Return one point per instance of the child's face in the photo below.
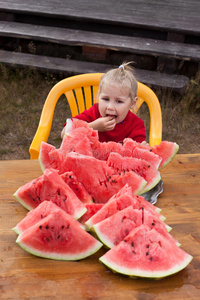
(114, 101)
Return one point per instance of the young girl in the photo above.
(111, 116)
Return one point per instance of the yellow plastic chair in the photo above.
(81, 93)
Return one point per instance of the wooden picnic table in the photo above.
(24, 276)
(179, 15)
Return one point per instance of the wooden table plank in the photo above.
(24, 276)
(180, 15)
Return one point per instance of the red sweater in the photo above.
(132, 126)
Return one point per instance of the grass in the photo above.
(23, 92)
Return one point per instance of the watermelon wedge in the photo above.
(50, 186)
(140, 153)
(165, 150)
(58, 236)
(51, 158)
(35, 215)
(77, 187)
(100, 180)
(92, 209)
(79, 137)
(138, 166)
(146, 253)
(115, 228)
(118, 203)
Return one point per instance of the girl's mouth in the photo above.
(113, 116)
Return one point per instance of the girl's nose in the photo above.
(110, 106)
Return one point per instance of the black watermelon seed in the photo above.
(151, 258)
(153, 223)
(132, 244)
(147, 253)
(40, 227)
(47, 227)
(133, 252)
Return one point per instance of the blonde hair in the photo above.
(124, 75)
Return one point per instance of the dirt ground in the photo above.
(23, 92)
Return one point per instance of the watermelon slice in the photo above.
(51, 158)
(146, 253)
(165, 150)
(35, 215)
(140, 153)
(119, 202)
(50, 186)
(77, 187)
(103, 150)
(79, 137)
(58, 236)
(139, 166)
(101, 181)
(115, 228)
(80, 144)
(92, 209)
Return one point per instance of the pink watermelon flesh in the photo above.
(101, 181)
(51, 187)
(35, 215)
(78, 142)
(51, 158)
(92, 209)
(79, 137)
(118, 203)
(146, 253)
(166, 150)
(113, 229)
(139, 166)
(103, 150)
(77, 187)
(58, 236)
(144, 154)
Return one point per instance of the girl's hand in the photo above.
(103, 124)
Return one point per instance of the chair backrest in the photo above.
(81, 93)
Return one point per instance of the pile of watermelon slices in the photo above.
(89, 196)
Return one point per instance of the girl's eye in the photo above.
(105, 98)
(119, 101)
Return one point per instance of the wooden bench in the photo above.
(55, 64)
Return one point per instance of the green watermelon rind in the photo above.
(16, 230)
(116, 268)
(41, 164)
(176, 148)
(98, 234)
(21, 201)
(56, 256)
(152, 185)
